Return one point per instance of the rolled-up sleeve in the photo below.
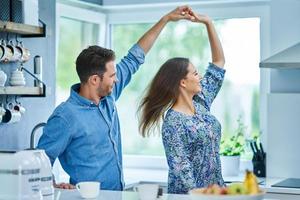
(211, 84)
(55, 138)
(127, 67)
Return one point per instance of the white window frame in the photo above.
(151, 13)
(81, 14)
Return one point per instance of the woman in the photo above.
(191, 134)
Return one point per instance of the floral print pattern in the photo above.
(192, 142)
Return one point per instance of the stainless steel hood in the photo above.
(288, 58)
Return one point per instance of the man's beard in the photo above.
(101, 93)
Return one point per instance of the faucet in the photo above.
(39, 125)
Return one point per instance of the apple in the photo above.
(237, 189)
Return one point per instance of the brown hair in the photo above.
(161, 94)
(92, 60)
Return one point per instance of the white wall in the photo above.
(283, 133)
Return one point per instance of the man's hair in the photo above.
(91, 61)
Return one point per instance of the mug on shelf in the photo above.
(11, 115)
(1, 52)
(3, 78)
(24, 52)
(6, 52)
(16, 52)
(2, 112)
(18, 107)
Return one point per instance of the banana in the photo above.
(251, 183)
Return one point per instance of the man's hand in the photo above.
(181, 12)
(64, 186)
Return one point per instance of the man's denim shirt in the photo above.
(86, 137)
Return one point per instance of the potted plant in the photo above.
(231, 149)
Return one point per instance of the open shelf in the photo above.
(23, 29)
(23, 91)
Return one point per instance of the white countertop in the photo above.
(115, 195)
(135, 175)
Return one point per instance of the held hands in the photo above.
(181, 12)
(185, 12)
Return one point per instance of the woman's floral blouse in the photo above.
(192, 142)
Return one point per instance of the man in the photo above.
(84, 131)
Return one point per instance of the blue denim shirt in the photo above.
(86, 137)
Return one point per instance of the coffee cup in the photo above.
(89, 189)
(25, 53)
(2, 112)
(1, 52)
(18, 107)
(147, 191)
(3, 78)
(16, 52)
(11, 116)
(6, 52)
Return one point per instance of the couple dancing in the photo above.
(84, 131)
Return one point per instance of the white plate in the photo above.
(198, 196)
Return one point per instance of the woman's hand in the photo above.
(196, 17)
(181, 12)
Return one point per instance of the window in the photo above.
(74, 35)
(239, 95)
(77, 29)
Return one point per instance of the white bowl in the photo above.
(17, 83)
(17, 73)
(198, 196)
(16, 79)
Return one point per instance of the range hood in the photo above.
(288, 58)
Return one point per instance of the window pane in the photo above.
(74, 35)
(238, 96)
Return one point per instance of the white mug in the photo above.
(19, 108)
(6, 52)
(2, 112)
(147, 191)
(25, 53)
(88, 190)
(3, 78)
(11, 116)
(1, 52)
(16, 52)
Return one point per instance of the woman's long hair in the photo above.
(161, 94)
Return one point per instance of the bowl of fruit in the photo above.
(247, 190)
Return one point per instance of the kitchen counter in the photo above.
(134, 175)
(270, 181)
(115, 195)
